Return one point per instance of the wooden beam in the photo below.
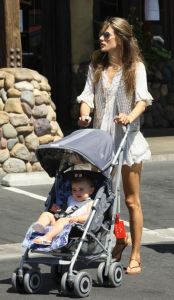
(10, 38)
(56, 54)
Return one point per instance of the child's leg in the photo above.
(46, 218)
(57, 228)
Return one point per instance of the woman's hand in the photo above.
(125, 119)
(84, 121)
(122, 119)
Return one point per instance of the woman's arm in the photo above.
(84, 119)
(125, 119)
(86, 100)
(142, 97)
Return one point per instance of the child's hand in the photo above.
(54, 208)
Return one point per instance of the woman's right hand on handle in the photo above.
(84, 121)
(122, 119)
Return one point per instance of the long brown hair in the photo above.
(130, 53)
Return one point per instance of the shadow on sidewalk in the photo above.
(157, 132)
(162, 248)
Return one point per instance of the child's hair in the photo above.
(82, 178)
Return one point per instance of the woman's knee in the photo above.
(131, 185)
(133, 202)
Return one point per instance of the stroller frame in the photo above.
(72, 282)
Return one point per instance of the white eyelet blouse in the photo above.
(108, 100)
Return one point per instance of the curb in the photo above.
(42, 178)
(26, 179)
(161, 157)
(15, 251)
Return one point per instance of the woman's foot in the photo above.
(120, 245)
(134, 267)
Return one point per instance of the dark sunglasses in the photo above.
(106, 35)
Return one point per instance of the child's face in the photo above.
(75, 159)
(81, 190)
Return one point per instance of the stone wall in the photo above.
(161, 86)
(27, 119)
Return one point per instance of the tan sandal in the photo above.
(134, 269)
(119, 248)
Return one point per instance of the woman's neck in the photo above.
(114, 61)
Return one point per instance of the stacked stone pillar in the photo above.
(27, 119)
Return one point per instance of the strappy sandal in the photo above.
(135, 269)
(41, 241)
(119, 248)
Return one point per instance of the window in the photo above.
(30, 26)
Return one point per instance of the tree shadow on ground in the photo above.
(161, 248)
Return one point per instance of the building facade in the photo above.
(57, 38)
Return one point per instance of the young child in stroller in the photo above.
(78, 210)
(81, 187)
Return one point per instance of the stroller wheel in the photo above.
(82, 284)
(66, 287)
(101, 278)
(32, 281)
(17, 281)
(115, 274)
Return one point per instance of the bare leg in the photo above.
(119, 247)
(57, 228)
(46, 218)
(131, 185)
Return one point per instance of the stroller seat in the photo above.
(58, 195)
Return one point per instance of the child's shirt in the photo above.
(82, 206)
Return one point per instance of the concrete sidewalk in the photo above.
(162, 149)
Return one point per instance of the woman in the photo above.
(116, 92)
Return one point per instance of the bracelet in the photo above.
(87, 118)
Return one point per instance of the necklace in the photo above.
(105, 88)
(114, 66)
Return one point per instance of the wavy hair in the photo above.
(130, 53)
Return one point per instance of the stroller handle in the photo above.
(130, 127)
(126, 128)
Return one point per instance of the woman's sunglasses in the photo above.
(106, 35)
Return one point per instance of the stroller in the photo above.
(87, 242)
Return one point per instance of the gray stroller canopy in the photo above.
(94, 145)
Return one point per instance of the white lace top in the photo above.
(109, 99)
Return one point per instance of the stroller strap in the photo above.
(62, 213)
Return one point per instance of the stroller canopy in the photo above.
(94, 145)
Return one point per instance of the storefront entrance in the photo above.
(46, 46)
